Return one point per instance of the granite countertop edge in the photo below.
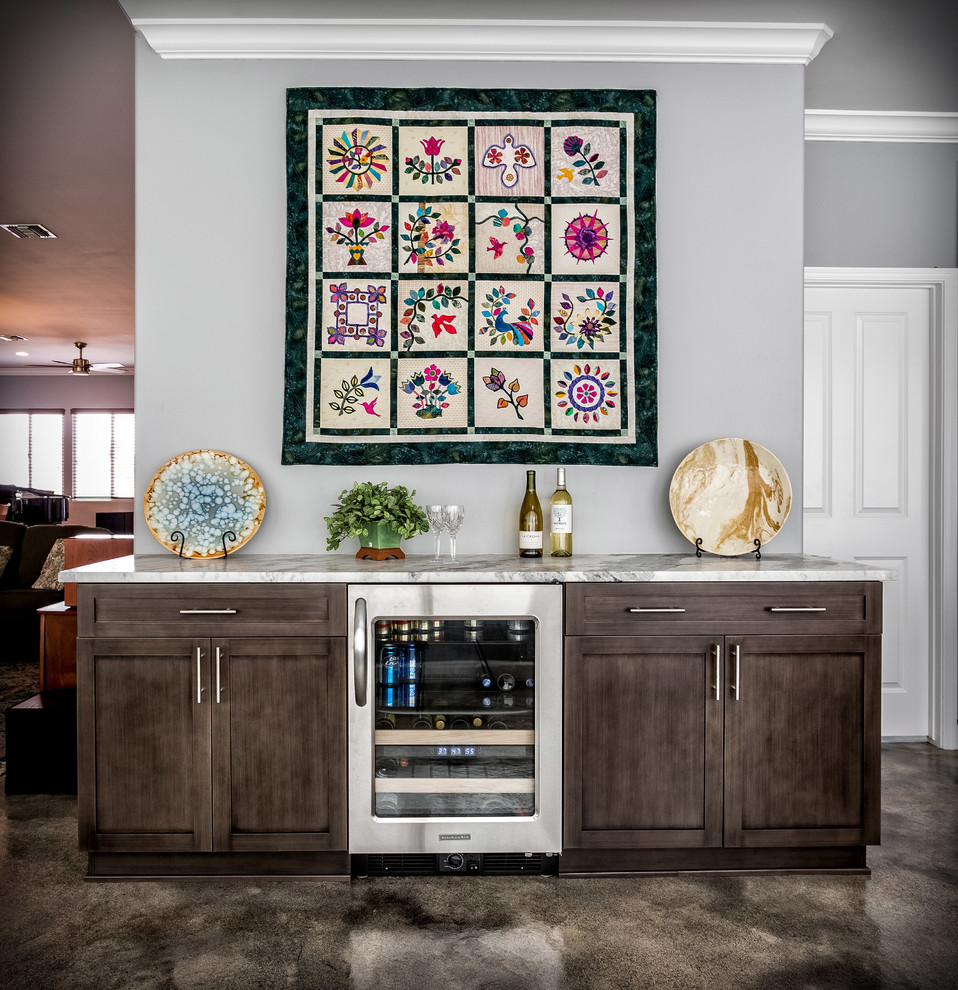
(475, 569)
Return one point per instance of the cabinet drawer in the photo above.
(623, 609)
(212, 610)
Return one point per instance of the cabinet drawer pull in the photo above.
(207, 611)
(737, 650)
(718, 672)
(219, 689)
(656, 609)
(798, 608)
(199, 676)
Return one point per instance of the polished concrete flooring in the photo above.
(897, 928)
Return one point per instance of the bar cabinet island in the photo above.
(322, 717)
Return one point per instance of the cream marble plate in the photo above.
(730, 493)
(203, 494)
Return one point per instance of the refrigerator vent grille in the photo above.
(401, 865)
(509, 864)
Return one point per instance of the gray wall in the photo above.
(210, 288)
(881, 205)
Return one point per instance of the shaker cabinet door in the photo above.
(279, 744)
(643, 742)
(143, 713)
(802, 740)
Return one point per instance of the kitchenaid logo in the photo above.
(455, 837)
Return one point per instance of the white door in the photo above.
(867, 473)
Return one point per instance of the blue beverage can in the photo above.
(391, 663)
(409, 694)
(410, 662)
(391, 696)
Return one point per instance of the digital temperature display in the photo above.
(455, 751)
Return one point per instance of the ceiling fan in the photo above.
(81, 366)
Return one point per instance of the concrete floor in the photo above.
(898, 928)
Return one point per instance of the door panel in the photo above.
(146, 783)
(801, 749)
(867, 442)
(279, 744)
(643, 742)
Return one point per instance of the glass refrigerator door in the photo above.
(455, 717)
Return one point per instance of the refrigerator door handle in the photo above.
(360, 661)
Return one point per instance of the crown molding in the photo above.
(187, 35)
(881, 125)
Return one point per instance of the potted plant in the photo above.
(380, 516)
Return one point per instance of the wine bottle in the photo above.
(560, 537)
(530, 520)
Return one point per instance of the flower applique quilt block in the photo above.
(354, 395)
(356, 157)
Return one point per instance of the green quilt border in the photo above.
(641, 103)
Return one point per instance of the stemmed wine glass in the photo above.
(437, 524)
(452, 516)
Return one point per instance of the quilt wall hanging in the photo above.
(470, 277)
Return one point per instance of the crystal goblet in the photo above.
(436, 524)
(452, 516)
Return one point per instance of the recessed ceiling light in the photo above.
(23, 353)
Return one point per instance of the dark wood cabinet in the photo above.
(697, 750)
(229, 748)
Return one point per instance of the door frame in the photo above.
(942, 286)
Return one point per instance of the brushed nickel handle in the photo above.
(798, 608)
(656, 609)
(199, 676)
(207, 611)
(737, 650)
(717, 650)
(219, 689)
(359, 652)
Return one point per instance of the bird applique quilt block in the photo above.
(470, 276)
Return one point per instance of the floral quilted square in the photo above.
(586, 395)
(433, 315)
(508, 392)
(585, 239)
(509, 316)
(510, 238)
(432, 393)
(355, 314)
(585, 160)
(585, 317)
(433, 237)
(433, 161)
(356, 157)
(356, 236)
(353, 394)
(510, 160)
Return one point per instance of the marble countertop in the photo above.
(477, 569)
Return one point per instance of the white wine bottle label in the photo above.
(530, 539)
(562, 519)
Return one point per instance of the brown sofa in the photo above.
(19, 601)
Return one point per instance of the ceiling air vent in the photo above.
(36, 230)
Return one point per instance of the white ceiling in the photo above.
(67, 129)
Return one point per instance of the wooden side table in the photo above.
(58, 647)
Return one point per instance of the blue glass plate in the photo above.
(197, 498)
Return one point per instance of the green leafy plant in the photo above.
(367, 503)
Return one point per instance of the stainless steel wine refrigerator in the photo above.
(455, 728)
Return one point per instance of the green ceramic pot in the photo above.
(382, 536)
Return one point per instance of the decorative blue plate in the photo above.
(198, 498)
